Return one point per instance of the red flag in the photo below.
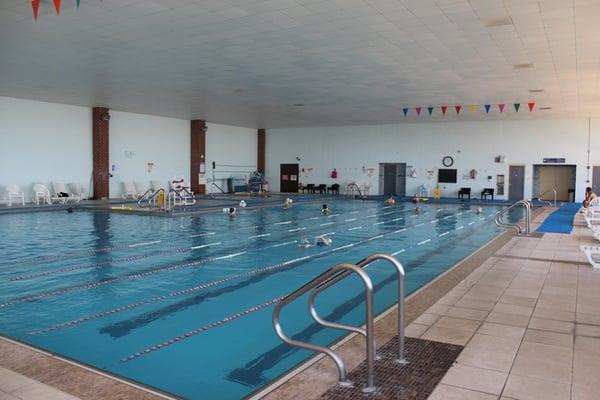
(501, 107)
(531, 105)
(418, 110)
(57, 6)
(457, 108)
(444, 108)
(35, 4)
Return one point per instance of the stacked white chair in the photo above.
(15, 194)
(41, 194)
(592, 219)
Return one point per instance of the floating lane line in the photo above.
(145, 243)
(398, 252)
(206, 245)
(379, 223)
(259, 236)
(327, 223)
(421, 224)
(444, 234)
(296, 229)
(201, 329)
(371, 216)
(423, 242)
(433, 221)
(283, 223)
(284, 243)
(355, 228)
(203, 234)
(471, 223)
(399, 230)
(333, 215)
(460, 227)
(350, 219)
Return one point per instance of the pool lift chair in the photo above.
(325, 281)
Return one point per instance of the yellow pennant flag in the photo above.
(473, 108)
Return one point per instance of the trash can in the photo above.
(571, 195)
(230, 188)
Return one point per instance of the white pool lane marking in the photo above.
(355, 228)
(206, 245)
(145, 243)
(327, 223)
(296, 229)
(423, 242)
(283, 223)
(350, 219)
(284, 243)
(259, 236)
(444, 234)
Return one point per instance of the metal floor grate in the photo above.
(429, 362)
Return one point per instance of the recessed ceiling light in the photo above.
(522, 66)
(536, 90)
(545, 108)
(499, 21)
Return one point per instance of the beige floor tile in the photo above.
(586, 369)
(547, 337)
(513, 309)
(11, 381)
(446, 392)
(587, 330)
(503, 331)
(585, 392)
(551, 325)
(517, 300)
(467, 313)
(437, 309)
(6, 396)
(458, 323)
(489, 352)
(476, 304)
(415, 330)
(426, 319)
(447, 335)
(478, 379)
(508, 319)
(589, 319)
(587, 344)
(526, 388)
(552, 313)
(39, 391)
(541, 361)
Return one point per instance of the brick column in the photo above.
(197, 156)
(260, 159)
(100, 152)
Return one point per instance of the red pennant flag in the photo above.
(531, 105)
(457, 108)
(35, 5)
(444, 108)
(501, 107)
(57, 6)
(418, 110)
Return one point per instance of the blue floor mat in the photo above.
(561, 220)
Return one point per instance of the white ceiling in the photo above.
(247, 62)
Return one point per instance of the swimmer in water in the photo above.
(287, 204)
(479, 210)
(324, 209)
(391, 200)
(418, 210)
(319, 241)
(232, 212)
(70, 210)
(415, 199)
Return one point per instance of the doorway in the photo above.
(392, 179)
(516, 182)
(289, 178)
(549, 177)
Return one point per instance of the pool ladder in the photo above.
(325, 281)
(351, 190)
(526, 231)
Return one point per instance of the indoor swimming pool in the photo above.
(184, 304)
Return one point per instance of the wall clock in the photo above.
(448, 161)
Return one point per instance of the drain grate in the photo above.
(428, 363)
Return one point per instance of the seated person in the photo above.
(589, 196)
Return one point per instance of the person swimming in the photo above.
(415, 199)
(479, 210)
(319, 241)
(242, 204)
(324, 209)
(287, 204)
(232, 212)
(390, 200)
(418, 210)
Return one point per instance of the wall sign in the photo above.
(554, 160)
(447, 161)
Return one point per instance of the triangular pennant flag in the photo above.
(418, 110)
(517, 106)
(457, 108)
(487, 108)
(531, 105)
(473, 108)
(501, 107)
(430, 109)
(57, 6)
(77, 1)
(444, 108)
(405, 111)
(35, 5)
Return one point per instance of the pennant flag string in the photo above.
(501, 107)
(487, 108)
(35, 5)
(444, 108)
(418, 109)
(57, 6)
(531, 105)
(517, 106)
(405, 111)
(457, 108)
(472, 107)
(430, 109)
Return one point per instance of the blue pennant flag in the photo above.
(405, 111)
(487, 108)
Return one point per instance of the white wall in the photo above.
(233, 146)
(473, 145)
(136, 140)
(42, 142)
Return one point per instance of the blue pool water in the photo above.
(184, 304)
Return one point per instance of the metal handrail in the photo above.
(516, 226)
(330, 278)
(143, 197)
(353, 185)
(150, 199)
(547, 201)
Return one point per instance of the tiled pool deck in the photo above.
(526, 310)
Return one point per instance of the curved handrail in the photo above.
(517, 227)
(338, 269)
(354, 185)
(363, 264)
(151, 198)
